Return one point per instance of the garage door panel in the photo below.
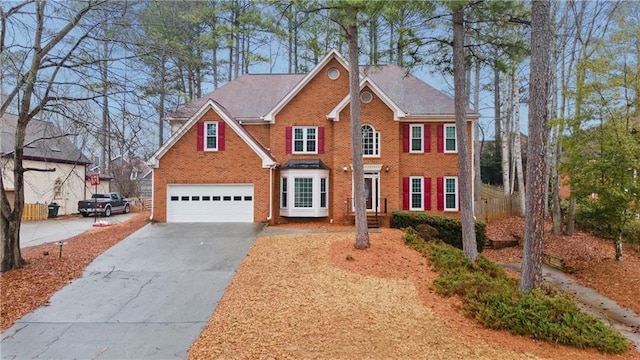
(210, 203)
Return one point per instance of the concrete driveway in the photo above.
(39, 232)
(148, 297)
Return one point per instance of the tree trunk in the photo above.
(477, 176)
(469, 244)
(537, 146)
(571, 217)
(496, 105)
(505, 140)
(618, 246)
(10, 254)
(362, 231)
(517, 147)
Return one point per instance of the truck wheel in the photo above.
(85, 214)
(107, 211)
(126, 209)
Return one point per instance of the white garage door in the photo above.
(210, 203)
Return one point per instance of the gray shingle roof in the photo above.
(412, 95)
(44, 141)
(254, 95)
(248, 97)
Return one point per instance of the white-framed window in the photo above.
(305, 140)
(304, 193)
(211, 136)
(416, 135)
(416, 193)
(450, 140)
(283, 193)
(451, 193)
(323, 193)
(370, 141)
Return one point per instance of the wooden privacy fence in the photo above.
(35, 212)
(489, 209)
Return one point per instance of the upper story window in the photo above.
(211, 136)
(450, 141)
(417, 140)
(370, 141)
(305, 140)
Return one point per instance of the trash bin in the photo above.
(53, 210)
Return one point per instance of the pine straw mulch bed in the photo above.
(589, 259)
(24, 290)
(301, 297)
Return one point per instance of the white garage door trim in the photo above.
(210, 203)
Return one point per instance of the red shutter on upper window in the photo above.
(200, 141)
(427, 193)
(427, 138)
(440, 138)
(221, 136)
(405, 138)
(321, 140)
(440, 182)
(288, 139)
(405, 193)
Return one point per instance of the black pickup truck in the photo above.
(104, 204)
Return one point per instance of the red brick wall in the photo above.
(310, 108)
(238, 163)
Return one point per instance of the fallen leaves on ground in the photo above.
(24, 290)
(589, 259)
(314, 296)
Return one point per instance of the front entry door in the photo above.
(371, 191)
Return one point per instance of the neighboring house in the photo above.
(46, 147)
(276, 148)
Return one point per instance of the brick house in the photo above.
(276, 148)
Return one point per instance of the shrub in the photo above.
(631, 232)
(493, 298)
(449, 229)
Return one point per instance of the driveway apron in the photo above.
(148, 297)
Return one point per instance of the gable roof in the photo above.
(397, 112)
(267, 160)
(333, 54)
(44, 141)
(408, 96)
(234, 95)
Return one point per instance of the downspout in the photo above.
(270, 192)
(153, 195)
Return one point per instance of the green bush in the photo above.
(449, 229)
(493, 298)
(631, 232)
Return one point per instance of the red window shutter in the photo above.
(405, 138)
(427, 138)
(427, 193)
(200, 141)
(288, 131)
(440, 138)
(321, 140)
(440, 193)
(405, 193)
(221, 136)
